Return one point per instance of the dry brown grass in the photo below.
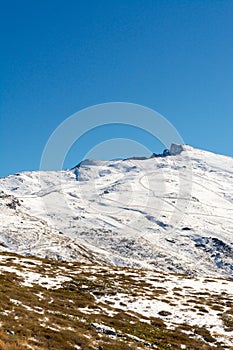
(5, 344)
(57, 321)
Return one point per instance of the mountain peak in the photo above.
(176, 149)
(137, 212)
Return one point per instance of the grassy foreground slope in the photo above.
(45, 304)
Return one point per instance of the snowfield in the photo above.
(171, 213)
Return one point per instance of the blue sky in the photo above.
(58, 57)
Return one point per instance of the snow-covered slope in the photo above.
(173, 213)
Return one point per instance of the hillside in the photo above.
(47, 304)
(121, 254)
(169, 213)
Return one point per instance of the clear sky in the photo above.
(58, 57)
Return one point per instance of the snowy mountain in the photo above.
(170, 212)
